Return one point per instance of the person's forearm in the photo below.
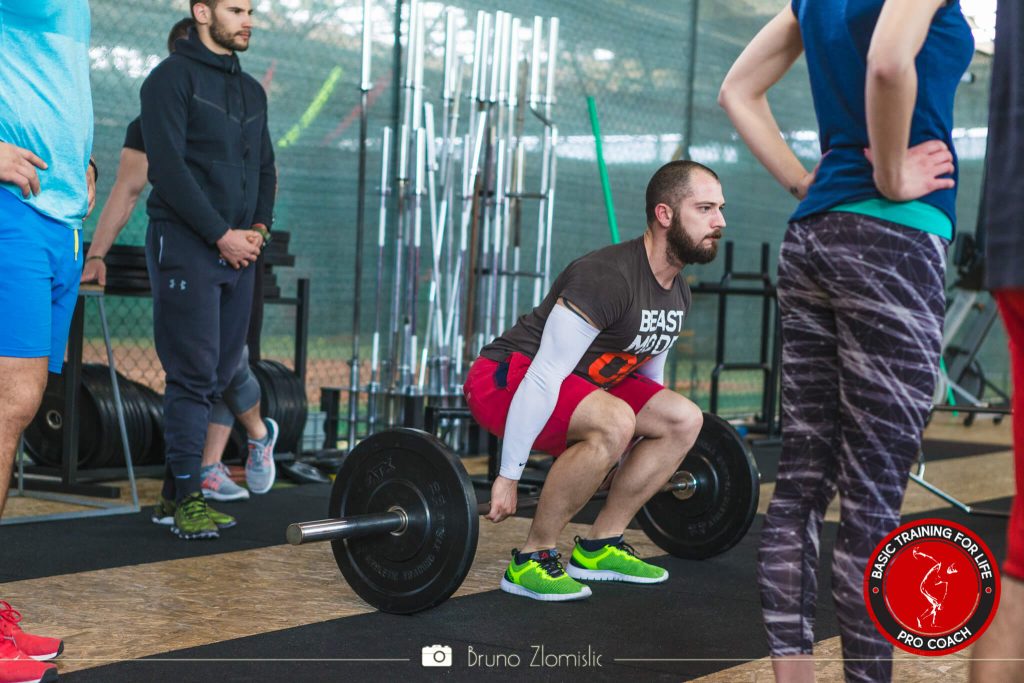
(754, 121)
(531, 408)
(113, 218)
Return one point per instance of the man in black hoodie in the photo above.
(211, 165)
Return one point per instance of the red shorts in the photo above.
(1011, 304)
(490, 387)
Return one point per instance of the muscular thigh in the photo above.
(594, 414)
(664, 414)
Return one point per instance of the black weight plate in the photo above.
(116, 281)
(128, 273)
(421, 567)
(279, 259)
(96, 381)
(127, 249)
(154, 405)
(277, 404)
(722, 507)
(303, 473)
(137, 421)
(44, 436)
(125, 261)
(291, 403)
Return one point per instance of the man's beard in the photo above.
(225, 39)
(683, 250)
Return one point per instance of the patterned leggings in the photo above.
(862, 303)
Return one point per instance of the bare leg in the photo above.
(253, 423)
(794, 669)
(22, 382)
(601, 426)
(669, 424)
(1003, 643)
(217, 436)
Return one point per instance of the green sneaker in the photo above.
(163, 514)
(192, 519)
(613, 563)
(542, 579)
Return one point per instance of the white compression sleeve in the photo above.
(566, 338)
(655, 368)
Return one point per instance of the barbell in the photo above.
(404, 519)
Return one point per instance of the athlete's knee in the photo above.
(21, 401)
(615, 429)
(685, 422)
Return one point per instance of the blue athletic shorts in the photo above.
(40, 267)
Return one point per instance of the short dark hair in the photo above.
(670, 184)
(178, 31)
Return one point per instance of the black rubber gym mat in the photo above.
(54, 548)
(706, 618)
(680, 619)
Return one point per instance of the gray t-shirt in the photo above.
(617, 290)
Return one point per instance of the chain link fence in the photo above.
(653, 69)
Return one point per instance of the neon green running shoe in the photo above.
(163, 514)
(192, 519)
(542, 578)
(613, 563)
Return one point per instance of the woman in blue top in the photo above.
(861, 290)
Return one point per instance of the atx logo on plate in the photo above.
(932, 587)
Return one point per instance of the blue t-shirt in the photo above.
(836, 36)
(45, 99)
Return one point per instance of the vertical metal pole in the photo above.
(375, 372)
(691, 75)
(118, 404)
(365, 86)
(549, 101)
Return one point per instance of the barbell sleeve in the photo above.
(346, 527)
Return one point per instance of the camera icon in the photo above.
(436, 655)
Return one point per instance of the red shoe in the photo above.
(17, 667)
(36, 647)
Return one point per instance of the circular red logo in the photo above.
(932, 587)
